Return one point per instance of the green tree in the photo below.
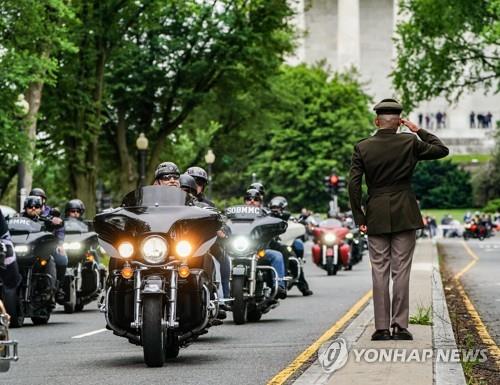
(487, 182)
(442, 184)
(323, 116)
(446, 47)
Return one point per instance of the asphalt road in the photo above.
(482, 281)
(228, 354)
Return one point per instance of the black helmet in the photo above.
(39, 192)
(253, 194)
(166, 168)
(199, 174)
(33, 200)
(278, 202)
(75, 204)
(188, 183)
(259, 187)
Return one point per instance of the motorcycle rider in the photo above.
(49, 214)
(33, 206)
(167, 174)
(188, 184)
(278, 206)
(273, 257)
(74, 209)
(201, 178)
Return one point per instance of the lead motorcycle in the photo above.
(82, 248)
(158, 294)
(34, 247)
(8, 347)
(254, 285)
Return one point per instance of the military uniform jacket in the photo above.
(387, 160)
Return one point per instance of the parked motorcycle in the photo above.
(34, 248)
(254, 285)
(476, 231)
(331, 250)
(82, 248)
(8, 347)
(158, 296)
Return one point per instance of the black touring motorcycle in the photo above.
(8, 348)
(34, 247)
(82, 248)
(253, 285)
(158, 294)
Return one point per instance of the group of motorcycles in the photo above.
(159, 292)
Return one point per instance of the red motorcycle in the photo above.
(331, 249)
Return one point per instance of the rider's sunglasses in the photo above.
(74, 211)
(169, 177)
(34, 206)
(199, 181)
(252, 199)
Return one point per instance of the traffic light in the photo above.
(334, 183)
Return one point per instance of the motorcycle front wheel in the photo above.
(153, 333)
(239, 306)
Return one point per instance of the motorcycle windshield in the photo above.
(24, 225)
(155, 196)
(331, 224)
(75, 226)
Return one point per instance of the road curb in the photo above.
(445, 373)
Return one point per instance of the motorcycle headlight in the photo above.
(240, 244)
(154, 249)
(330, 238)
(349, 236)
(72, 245)
(183, 249)
(21, 249)
(126, 249)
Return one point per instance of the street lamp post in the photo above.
(142, 146)
(210, 159)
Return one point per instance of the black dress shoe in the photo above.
(399, 333)
(307, 292)
(381, 335)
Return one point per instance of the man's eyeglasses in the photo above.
(34, 207)
(251, 199)
(169, 177)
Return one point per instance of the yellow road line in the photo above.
(303, 357)
(489, 342)
(475, 258)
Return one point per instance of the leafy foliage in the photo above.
(442, 184)
(446, 47)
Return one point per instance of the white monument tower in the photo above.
(359, 33)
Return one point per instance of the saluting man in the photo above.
(391, 216)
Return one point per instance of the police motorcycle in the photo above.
(8, 347)
(82, 248)
(254, 286)
(34, 247)
(157, 295)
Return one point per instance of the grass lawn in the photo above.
(467, 158)
(455, 213)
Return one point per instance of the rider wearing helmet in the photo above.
(188, 184)
(275, 258)
(167, 174)
(55, 224)
(259, 187)
(201, 178)
(75, 208)
(278, 206)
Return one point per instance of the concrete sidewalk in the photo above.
(366, 363)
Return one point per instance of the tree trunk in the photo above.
(128, 169)
(34, 98)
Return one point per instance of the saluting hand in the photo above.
(412, 126)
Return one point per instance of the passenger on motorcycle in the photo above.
(278, 206)
(201, 178)
(74, 209)
(273, 257)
